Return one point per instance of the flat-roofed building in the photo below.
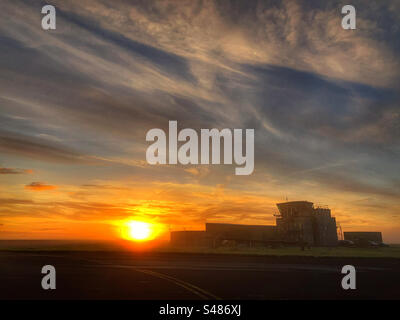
(251, 234)
(357, 236)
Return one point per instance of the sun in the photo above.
(139, 231)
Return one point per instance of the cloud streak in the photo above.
(40, 186)
(15, 171)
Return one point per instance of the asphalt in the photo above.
(160, 276)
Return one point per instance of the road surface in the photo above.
(127, 275)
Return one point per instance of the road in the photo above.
(127, 275)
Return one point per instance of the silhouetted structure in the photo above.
(298, 222)
(239, 233)
(362, 236)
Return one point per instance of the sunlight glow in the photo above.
(139, 230)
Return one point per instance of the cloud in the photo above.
(198, 171)
(15, 171)
(37, 148)
(39, 186)
(12, 202)
(304, 35)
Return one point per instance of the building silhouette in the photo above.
(298, 222)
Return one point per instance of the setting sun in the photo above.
(139, 230)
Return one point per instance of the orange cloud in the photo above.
(39, 186)
(15, 171)
(198, 172)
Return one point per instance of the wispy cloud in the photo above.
(39, 186)
(15, 171)
(36, 148)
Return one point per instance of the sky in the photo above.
(76, 104)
